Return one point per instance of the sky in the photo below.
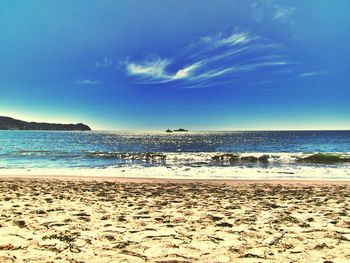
(158, 64)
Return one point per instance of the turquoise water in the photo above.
(43, 149)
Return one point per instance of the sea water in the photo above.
(220, 155)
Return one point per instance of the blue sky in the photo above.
(203, 65)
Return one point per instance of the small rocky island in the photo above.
(8, 123)
(178, 130)
(181, 130)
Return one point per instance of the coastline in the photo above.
(177, 180)
(205, 172)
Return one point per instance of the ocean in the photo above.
(216, 155)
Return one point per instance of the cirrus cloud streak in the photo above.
(220, 58)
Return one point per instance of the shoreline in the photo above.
(179, 180)
(200, 172)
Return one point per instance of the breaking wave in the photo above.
(195, 158)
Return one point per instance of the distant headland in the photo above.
(8, 123)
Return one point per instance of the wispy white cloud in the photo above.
(154, 68)
(187, 71)
(232, 39)
(88, 82)
(314, 73)
(210, 60)
(105, 63)
(270, 9)
(283, 14)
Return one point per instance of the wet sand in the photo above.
(85, 219)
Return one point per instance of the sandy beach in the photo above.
(75, 219)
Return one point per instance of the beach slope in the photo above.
(144, 220)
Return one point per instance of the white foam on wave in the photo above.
(208, 156)
(198, 157)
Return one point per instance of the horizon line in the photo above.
(218, 130)
(93, 125)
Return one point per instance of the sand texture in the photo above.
(61, 220)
